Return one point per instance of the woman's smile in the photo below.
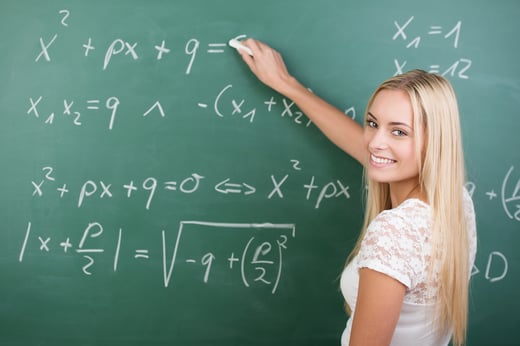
(379, 161)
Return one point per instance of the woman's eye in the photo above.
(399, 133)
(371, 123)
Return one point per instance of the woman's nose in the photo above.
(378, 140)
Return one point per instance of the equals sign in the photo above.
(170, 185)
(434, 68)
(435, 30)
(216, 47)
(141, 254)
(92, 104)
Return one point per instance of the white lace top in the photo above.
(397, 243)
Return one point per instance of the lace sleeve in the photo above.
(394, 244)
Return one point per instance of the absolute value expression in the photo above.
(257, 260)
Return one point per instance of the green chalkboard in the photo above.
(155, 193)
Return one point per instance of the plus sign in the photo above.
(88, 47)
(491, 194)
(270, 103)
(161, 49)
(66, 245)
(232, 259)
(130, 187)
(62, 190)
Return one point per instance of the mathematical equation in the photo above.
(128, 50)
(225, 104)
(101, 189)
(259, 261)
(122, 49)
(78, 114)
(459, 68)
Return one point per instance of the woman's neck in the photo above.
(400, 194)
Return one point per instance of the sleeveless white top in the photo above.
(397, 244)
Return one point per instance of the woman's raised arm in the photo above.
(268, 65)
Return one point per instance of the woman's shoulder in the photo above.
(409, 210)
(395, 242)
(409, 219)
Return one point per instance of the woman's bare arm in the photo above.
(268, 65)
(378, 308)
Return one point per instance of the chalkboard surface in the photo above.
(154, 192)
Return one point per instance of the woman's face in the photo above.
(390, 140)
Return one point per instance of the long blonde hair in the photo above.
(441, 178)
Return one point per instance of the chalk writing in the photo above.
(256, 261)
(129, 50)
(45, 48)
(433, 30)
(226, 102)
(101, 189)
(458, 68)
(66, 14)
(111, 104)
(511, 201)
(496, 267)
(260, 259)
(225, 105)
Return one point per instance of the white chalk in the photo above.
(237, 45)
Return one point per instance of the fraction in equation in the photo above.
(258, 261)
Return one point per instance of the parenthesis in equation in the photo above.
(217, 100)
(242, 264)
(281, 244)
(503, 193)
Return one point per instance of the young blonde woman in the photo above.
(406, 281)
